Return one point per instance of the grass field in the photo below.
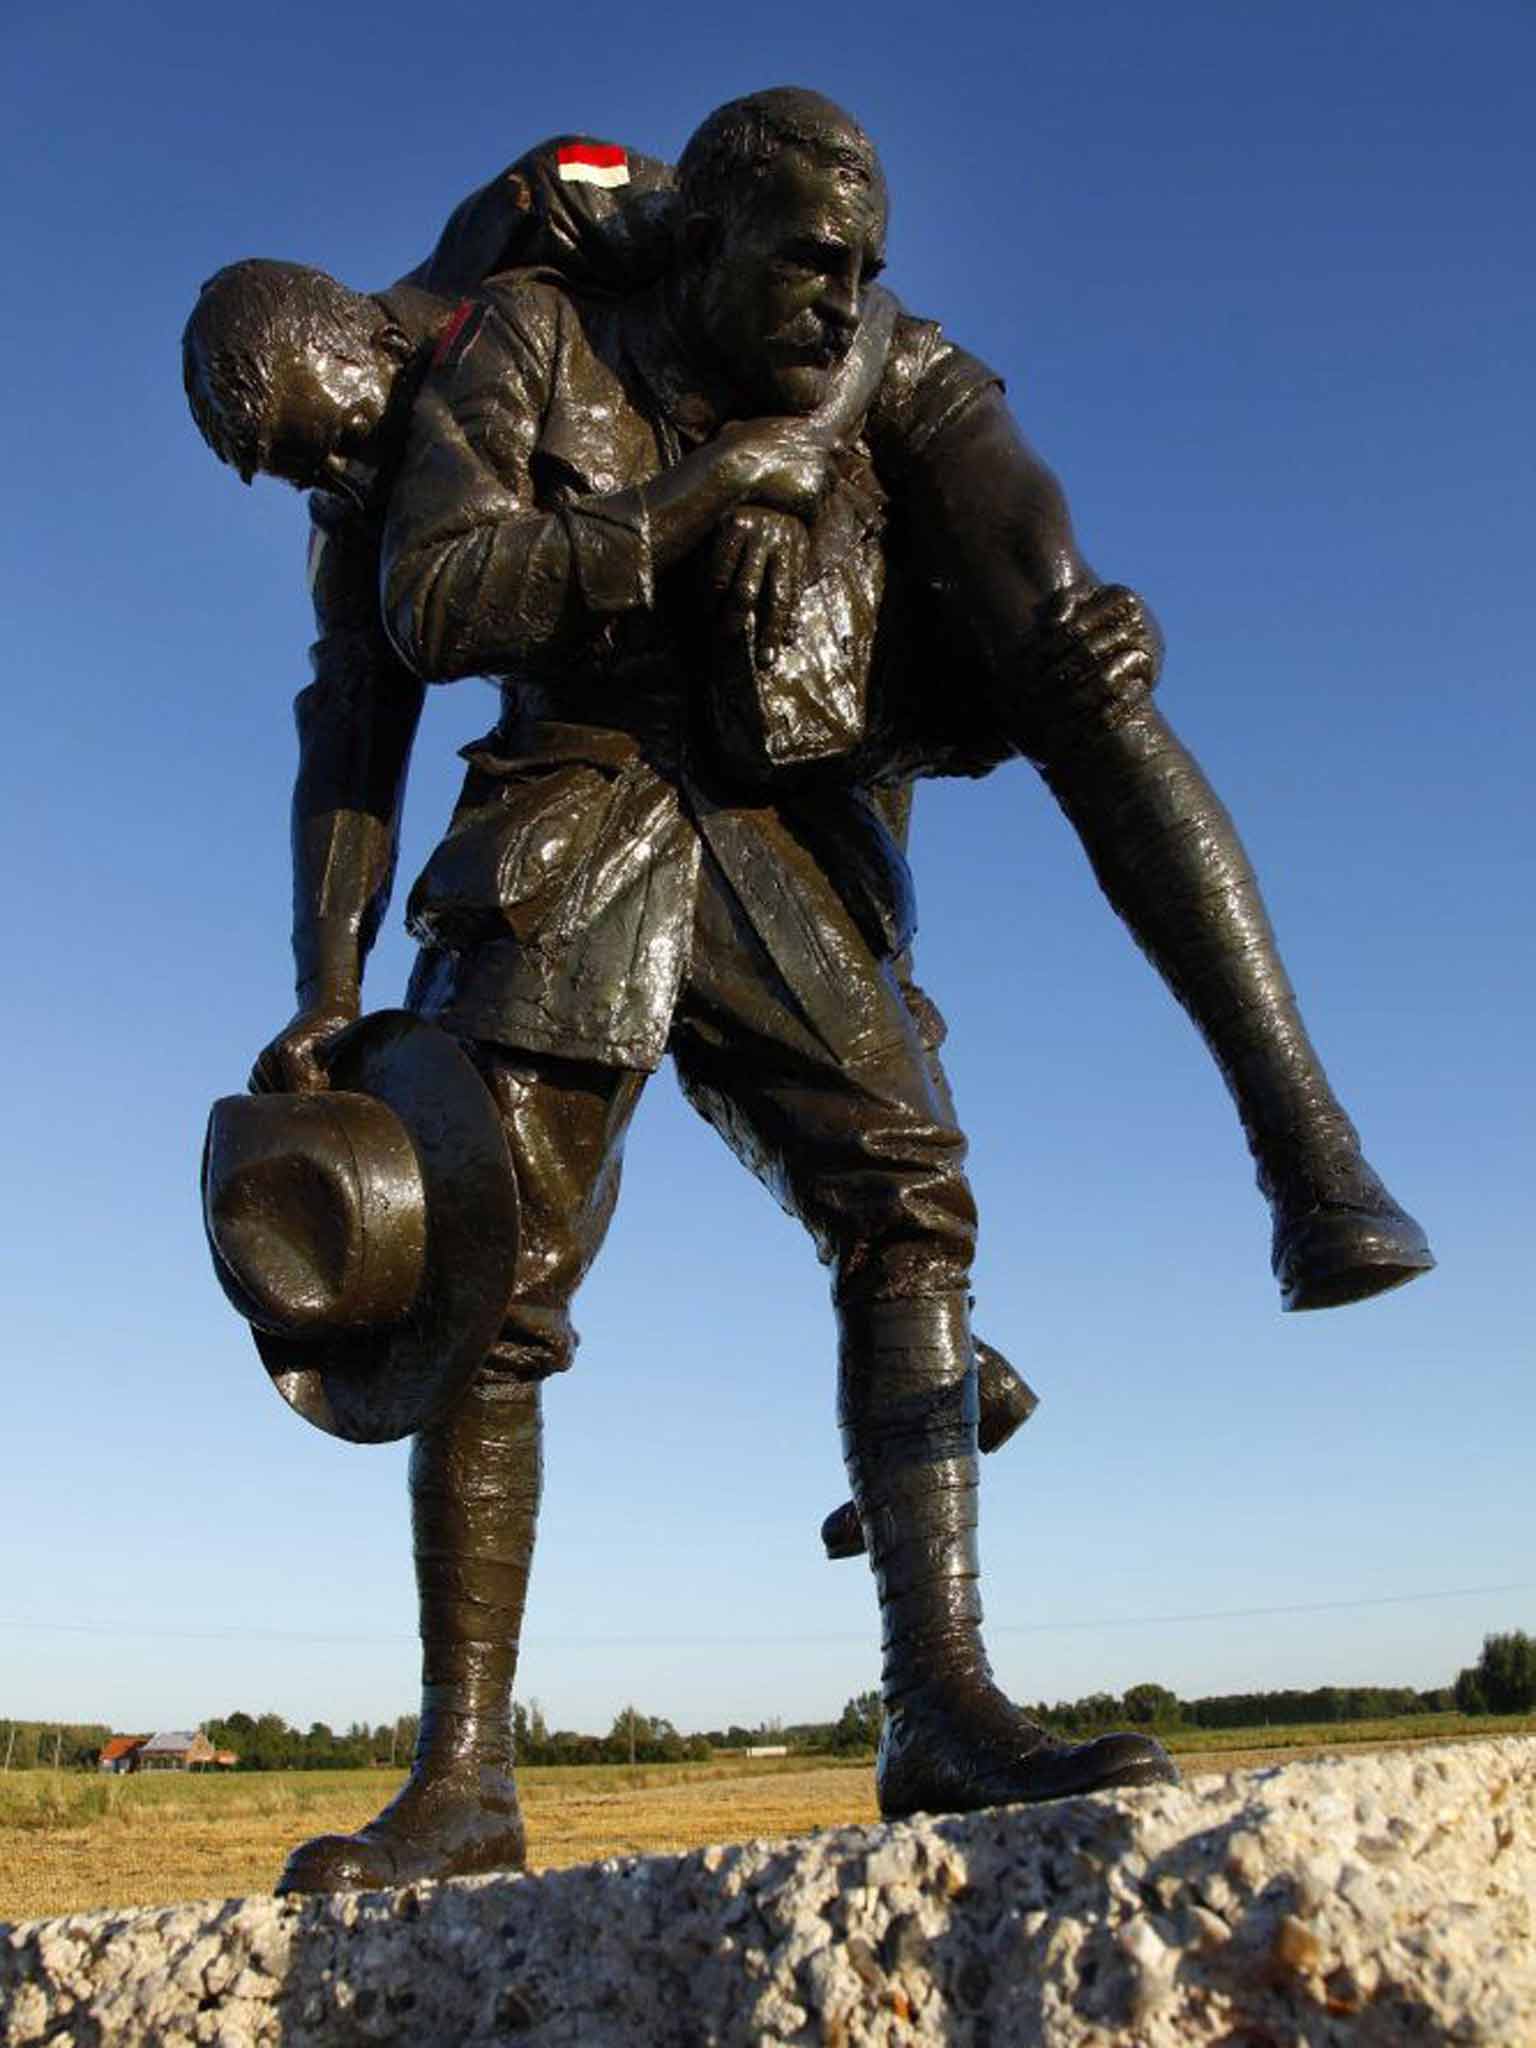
(70, 1842)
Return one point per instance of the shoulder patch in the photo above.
(458, 333)
(592, 163)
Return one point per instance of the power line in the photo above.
(613, 1642)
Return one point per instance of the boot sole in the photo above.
(1348, 1258)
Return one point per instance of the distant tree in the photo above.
(1506, 1673)
(1468, 1692)
(1098, 1710)
(270, 1745)
(231, 1731)
(645, 1738)
(858, 1726)
(1152, 1706)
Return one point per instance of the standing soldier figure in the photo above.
(741, 547)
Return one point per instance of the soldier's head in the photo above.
(289, 372)
(782, 219)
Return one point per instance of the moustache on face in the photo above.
(810, 342)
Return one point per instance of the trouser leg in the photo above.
(865, 1152)
(1168, 857)
(475, 1481)
(871, 1160)
(565, 1123)
(952, 1741)
(1004, 1399)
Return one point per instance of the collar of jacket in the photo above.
(655, 351)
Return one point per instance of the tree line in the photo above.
(1502, 1681)
(37, 1745)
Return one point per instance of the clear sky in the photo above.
(1258, 277)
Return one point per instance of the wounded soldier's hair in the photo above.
(739, 144)
(248, 317)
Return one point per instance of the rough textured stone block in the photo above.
(1383, 1899)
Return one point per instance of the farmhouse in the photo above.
(121, 1753)
(177, 1750)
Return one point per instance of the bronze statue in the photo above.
(747, 546)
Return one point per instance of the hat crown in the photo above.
(368, 1233)
(316, 1209)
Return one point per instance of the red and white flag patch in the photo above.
(593, 163)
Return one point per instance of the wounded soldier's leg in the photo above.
(1168, 857)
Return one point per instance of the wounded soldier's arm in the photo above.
(356, 723)
(488, 558)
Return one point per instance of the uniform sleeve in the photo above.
(478, 575)
(356, 724)
(928, 383)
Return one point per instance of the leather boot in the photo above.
(475, 1483)
(952, 1740)
(1168, 857)
(1006, 1402)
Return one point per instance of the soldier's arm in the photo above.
(479, 572)
(356, 723)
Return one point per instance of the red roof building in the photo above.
(122, 1753)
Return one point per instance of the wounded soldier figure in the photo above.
(747, 547)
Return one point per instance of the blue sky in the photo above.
(1258, 279)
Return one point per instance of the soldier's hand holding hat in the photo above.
(293, 1063)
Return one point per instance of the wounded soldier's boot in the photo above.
(952, 1740)
(475, 1481)
(1169, 859)
(1006, 1402)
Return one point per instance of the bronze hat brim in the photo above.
(386, 1385)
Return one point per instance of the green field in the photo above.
(1330, 1735)
(72, 1841)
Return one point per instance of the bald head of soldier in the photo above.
(782, 226)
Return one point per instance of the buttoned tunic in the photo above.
(557, 915)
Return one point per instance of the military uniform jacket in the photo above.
(557, 915)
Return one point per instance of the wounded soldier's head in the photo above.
(289, 372)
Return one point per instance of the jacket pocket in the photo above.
(518, 847)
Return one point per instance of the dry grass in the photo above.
(69, 1843)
